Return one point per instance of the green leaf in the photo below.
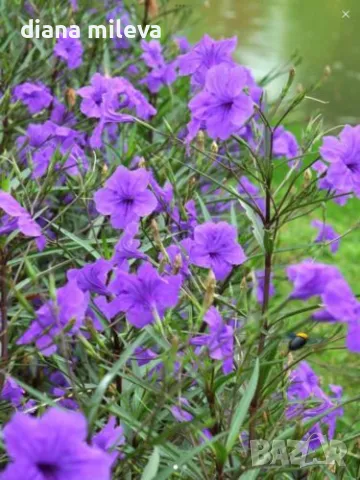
(243, 408)
(83, 243)
(110, 376)
(257, 225)
(204, 210)
(152, 466)
(250, 474)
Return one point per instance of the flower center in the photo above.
(128, 201)
(48, 470)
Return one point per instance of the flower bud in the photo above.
(210, 286)
(142, 163)
(327, 71)
(70, 97)
(200, 141)
(214, 147)
(178, 263)
(104, 170)
(307, 177)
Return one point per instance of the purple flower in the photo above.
(164, 195)
(110, 437)
(55, 316)
(179, 413)
(343, 155)
(16, 217)
(247, 188)
(161, 73)
(93, 95)
(176, 254)
(305, 386)
(127, 247)
(284, 143)
(205, 55)
(260, 280)
(60, 389)
(219, 340)
(105, 96)
(70, 50)
(92, 277)
(12, 392)
(215, 246)
(126, 197)
(43, 141)
(223, 106)
(326, 233)
(53, 447)
(340, 304)
(143, 356)
(144, 296)
(164, 75)
(34, 95)
(310, 278)
(341, 191)
(182, 43)
(152, 54)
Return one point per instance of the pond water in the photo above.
(324, 32)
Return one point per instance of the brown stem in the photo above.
(146, 13)
(3, 310)
(265, 305)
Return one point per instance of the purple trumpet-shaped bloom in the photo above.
(182, 44)
(16, 217)
(110, 437)
(34, 95)
(223, 106)
(126, 197)
(179, 413)
(105, 97)
(310, 279)
(205, 55)
(65, 315)
(43, 140)
(341, 305)
(178, 256)
(305, 387)
(215, 246)
(341, 191)
(284, 144)
(152, 53)
(12, 392)
(128, 246)
(53, 447)
(164, 195)
(145, 296)
(260, 284)
(219, 340)
(188, 224)
(92, 277)
(161, 73)
(70, 50)
(326, 233)
(60, 390)
(343, 156)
